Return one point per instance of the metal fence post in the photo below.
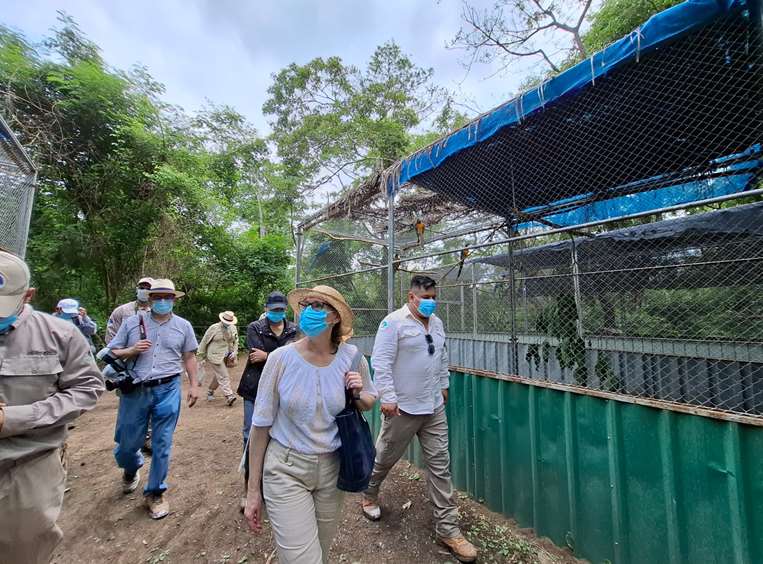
(474, 302)
(390, 250)
(576, 288)
(462, 328)
(513, 311)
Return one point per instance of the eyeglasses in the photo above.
(316, 305)
(430, 343)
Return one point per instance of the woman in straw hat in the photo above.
(219, 344)
(294, 439)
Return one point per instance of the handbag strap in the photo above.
(354, 366)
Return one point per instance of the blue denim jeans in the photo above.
(248, 412)
(162, 405)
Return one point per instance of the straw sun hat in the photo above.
(330, 296)
(228, 317)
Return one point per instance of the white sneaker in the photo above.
(210, 396)
(130, 485)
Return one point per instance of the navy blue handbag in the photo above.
(357, 452)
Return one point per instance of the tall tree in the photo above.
(555, 33)
(333, 122)
(547, 31)
(129, 184)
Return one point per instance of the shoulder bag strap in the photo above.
(354, 366)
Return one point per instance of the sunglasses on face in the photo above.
(430, 344)
(316, 305)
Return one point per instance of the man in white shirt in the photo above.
(410, 362)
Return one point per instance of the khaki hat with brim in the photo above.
(330, 296)
(14, 283)
(228, 317)
(165, 286)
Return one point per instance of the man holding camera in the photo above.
(158, 346)
(117, 317)
(47, 379)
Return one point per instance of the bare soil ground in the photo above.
(101, 525)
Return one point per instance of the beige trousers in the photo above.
(303, 503)
(220, 377)
(432, 430)
(31, 494)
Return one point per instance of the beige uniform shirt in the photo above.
(48, 377)
(118, 316)
(218, 342)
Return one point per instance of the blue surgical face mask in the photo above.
(68, 316)
(142, 295)
(162, 307)
(427, 306)
(6, 322)
(276, 316)
(312, 323)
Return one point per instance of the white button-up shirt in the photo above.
(404, 371)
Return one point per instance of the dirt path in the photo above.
(101, 525)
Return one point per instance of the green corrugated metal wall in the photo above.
(615, 481)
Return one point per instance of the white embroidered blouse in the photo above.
(299, 401)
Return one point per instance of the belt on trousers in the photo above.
(158, 381)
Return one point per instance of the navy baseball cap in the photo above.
(276, 300)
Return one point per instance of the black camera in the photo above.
(116, 374)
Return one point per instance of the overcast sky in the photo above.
(226, 50)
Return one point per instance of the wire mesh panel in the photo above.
(17, 182)
(352, 261)
(610, 240)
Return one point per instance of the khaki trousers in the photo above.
(31, 494)
(303, 503)
(220, 377)
(432, 430)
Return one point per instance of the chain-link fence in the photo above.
(17, 182)
(606, 236)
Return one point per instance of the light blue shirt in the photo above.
(169, 340)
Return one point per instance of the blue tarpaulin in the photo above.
(659, 29)
(503, 155)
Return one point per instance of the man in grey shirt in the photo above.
(117, 317)
(158, 346)
(47, 379)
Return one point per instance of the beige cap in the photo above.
(146, 280)
(14, 283)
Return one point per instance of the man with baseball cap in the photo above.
(47, 379)
(160, 346)
(129, 309)
(70, 310)
(263, 336)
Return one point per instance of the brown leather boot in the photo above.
(461, 548)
